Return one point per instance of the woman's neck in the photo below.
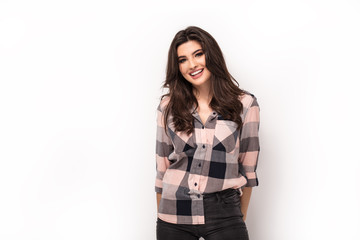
(202, 93)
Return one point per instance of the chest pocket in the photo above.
(182, 142)
(225, 135)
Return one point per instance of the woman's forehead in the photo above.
(188, 47)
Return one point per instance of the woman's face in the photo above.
(192, 64)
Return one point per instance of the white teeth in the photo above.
(194, 73)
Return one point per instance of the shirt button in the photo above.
(202, 127)
(198, 195)
(195, 184)
(199, 165)
(214, 113)
(203, 145)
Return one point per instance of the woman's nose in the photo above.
(192, 63)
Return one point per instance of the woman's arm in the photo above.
(164, 148)
(249, 152)
(245, 200)
(158, 197)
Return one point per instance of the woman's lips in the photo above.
(198, 74)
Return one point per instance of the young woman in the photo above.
(207, 144)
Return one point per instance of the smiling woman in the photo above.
(207, 144)
(192, 63)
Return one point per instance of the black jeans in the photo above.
(223, 221)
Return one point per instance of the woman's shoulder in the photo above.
(164, 100)
(247, 99)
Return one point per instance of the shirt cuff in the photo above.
(253, 182)
(158, 190)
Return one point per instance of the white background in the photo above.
(80, 83)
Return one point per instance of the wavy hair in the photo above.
(225, 93)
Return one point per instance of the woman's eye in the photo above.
(199, 54)
(182, 60)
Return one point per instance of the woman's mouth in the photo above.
(197, 73)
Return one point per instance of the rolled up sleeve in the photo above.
(164, 147)
(249, 143)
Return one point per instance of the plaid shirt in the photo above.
(213, 158)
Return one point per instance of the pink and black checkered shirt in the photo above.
(213, 158)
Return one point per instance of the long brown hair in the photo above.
(225, 94)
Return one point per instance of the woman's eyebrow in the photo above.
(192, 53)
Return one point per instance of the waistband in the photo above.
(221, 194)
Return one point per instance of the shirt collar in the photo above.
(196, 114)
